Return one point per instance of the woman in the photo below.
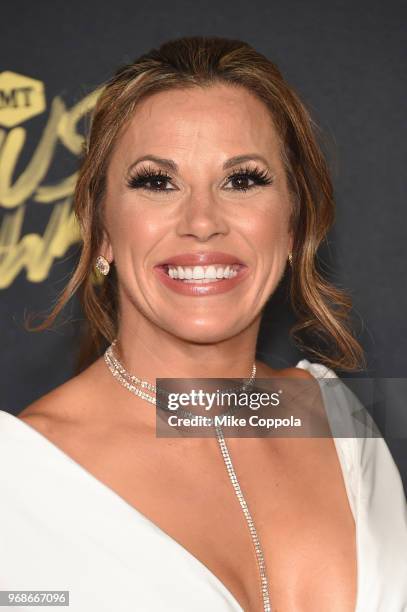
(200, 159)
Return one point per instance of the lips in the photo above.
(201, 258)
(198, 288)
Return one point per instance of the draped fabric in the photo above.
(63, 529)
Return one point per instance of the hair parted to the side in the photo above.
(322, 310)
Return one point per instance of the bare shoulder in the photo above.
(67, 404)
(265, 371)
(311, 397)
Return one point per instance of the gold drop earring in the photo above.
(102, 265)
(290, 258)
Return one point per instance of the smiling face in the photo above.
(194, 206)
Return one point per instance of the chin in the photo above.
(203, 332)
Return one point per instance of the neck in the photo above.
(150, 352)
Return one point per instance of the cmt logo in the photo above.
(20, 98)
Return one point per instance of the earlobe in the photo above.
(104, 256)
(290, 250)
(290, 244)
(106, 249)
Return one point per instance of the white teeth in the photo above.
(198, 272)
(210, 273)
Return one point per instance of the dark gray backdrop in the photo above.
(346, 59)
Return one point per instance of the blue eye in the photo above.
(156, 180)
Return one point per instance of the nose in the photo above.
(201, 218)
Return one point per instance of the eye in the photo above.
(242, 175)
(156, 180)
(149, 179)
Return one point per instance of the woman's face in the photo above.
(197, 210)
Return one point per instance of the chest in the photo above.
(296, 496)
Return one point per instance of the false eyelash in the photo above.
(261, 177)
(146, 174)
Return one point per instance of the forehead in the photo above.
(222, 120)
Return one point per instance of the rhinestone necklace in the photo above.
(137, 386)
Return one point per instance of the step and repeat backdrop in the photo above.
(348, 63)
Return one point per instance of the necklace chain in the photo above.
(136, 386)
(115, 366)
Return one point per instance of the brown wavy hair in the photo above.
(322, 310)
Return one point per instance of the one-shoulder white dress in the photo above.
(63, 529)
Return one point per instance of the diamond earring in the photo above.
(102, 265)
(290, 258)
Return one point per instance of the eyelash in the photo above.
(145, 175)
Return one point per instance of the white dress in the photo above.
(62, 529)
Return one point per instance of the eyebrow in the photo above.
(170, 165)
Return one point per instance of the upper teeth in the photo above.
(200, 272)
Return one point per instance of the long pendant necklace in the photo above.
(137, 387)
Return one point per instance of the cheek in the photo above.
(134, 232)
(268, 232)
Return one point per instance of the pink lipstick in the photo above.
(201, 273)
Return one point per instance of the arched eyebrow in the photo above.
(171, 166)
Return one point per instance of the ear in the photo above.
(106, 248)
